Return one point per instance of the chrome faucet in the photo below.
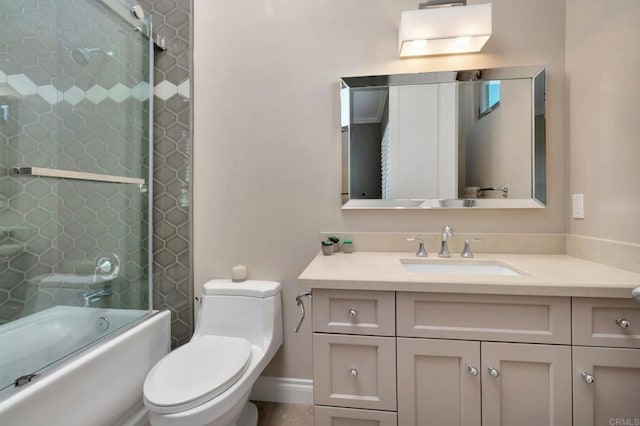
(91, 297)
(447, 232)
(421, 252)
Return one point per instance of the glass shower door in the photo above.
(74, 188)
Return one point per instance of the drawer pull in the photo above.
(623, 323)
(493, 372)
(587, 377)
(353, 373)
(472, 370)
(353, 313)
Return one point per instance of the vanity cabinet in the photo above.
(606, 362)
(421, 358)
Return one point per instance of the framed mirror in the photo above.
(451, 139)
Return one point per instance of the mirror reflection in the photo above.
(445, 139)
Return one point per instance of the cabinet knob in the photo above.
(353, 313)
(493, 372)
(623, 323)
(353, 373)
(587, 377)
(472, 370)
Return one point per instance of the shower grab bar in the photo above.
(69, 174)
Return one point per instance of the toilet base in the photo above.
(248, 415)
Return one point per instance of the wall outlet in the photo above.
(578, 206)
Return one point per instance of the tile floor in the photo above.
(276, 414)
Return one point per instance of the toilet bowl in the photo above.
(208, 380)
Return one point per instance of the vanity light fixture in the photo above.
(444, 27)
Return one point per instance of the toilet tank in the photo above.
(249, 309)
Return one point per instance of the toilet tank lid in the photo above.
(250, 288)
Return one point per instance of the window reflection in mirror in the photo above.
(489, 97)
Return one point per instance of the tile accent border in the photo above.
(609, 252)
(74, 95)
(96, 94)
(490, 243)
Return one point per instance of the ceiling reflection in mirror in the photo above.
(452, 139)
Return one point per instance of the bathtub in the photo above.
(99, 384)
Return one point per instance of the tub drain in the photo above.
(103, 324)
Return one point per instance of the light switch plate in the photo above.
(578, 206)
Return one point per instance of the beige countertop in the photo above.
(543, 275)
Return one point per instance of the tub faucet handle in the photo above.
(107, 265)
(421, 252)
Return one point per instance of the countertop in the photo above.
(544, 275)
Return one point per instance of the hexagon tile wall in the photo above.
(172, 123)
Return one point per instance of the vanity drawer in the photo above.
(354, 371)
(354, 312)
(530, 319)
(334, 416)
(601, 322)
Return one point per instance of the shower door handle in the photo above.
(71, 174)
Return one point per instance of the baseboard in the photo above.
(136, 416)
(286, 390)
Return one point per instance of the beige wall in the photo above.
(267, 132)
(603, 65)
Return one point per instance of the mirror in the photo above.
(452, 139)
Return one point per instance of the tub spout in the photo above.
(91, 297)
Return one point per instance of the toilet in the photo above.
(208, 380)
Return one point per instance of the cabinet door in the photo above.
(438, 382)
(613, 396)
(354, 371)
(526, 385)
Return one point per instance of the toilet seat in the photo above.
(195, 373)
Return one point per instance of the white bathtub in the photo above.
(99, 384)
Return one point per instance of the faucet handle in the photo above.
(466, 252)
(421, 252)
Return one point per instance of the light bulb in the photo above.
(419, 44)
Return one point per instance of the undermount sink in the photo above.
(462, 267)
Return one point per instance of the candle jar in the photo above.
(239, 273)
